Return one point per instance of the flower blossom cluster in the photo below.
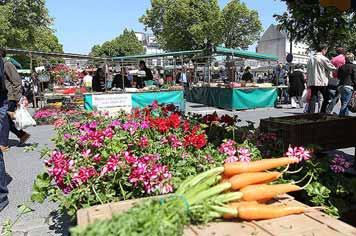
(147, 172)
(59, 166)
(234, 153)
(339, 164)
(299, 152)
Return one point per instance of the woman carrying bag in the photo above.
(347, 76)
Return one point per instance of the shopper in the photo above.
(333, 84)
(297, 86)
(4, 134)
(13, 85)
(87, 81)
(247, 76)
(319, 68)
(347, 76)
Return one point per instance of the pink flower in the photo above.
(83, 175)
(97, 158)
(143, 142)
(108, 133)
(244, 154)
(86, 153)
(155, 105)
(299, 152)
(339, 164)
(174, 141)
(231, 159)
(228, 148)
(115, 123)
(110, 166)
(145, 124)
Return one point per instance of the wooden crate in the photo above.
(314, 223)
(327, 131)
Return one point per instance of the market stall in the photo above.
(232, 95)
(234, 98)
(113, 102)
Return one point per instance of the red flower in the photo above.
(210, 118)
(161, 124)
(186, 126)
(197, 141)
(227, 120)
(174, 120)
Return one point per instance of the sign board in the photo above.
(112, 102)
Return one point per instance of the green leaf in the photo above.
(38, 197)
(24, 209)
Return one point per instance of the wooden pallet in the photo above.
(313, 223)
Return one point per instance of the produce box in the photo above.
(313, 223)
(327, 131)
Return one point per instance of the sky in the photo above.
(80, 24)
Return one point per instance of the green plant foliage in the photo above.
(126, 44)
(185, 24)
(307, 21)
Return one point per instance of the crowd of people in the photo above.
(326, 80)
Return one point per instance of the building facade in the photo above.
(151, 47)
(276, 42)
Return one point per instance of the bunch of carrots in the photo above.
(236, 190)
(254, 182)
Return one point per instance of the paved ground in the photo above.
(22, 167)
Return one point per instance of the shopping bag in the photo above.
(306, 95)
(23, 118)
(352, 104)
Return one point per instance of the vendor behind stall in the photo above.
(99, 80)
(117, 81)
(247, 76)
(142, 77)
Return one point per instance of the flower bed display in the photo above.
(50, 115)
(102, 159)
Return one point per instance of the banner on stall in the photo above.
(112, 102)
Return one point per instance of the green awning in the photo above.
(13, 61)
(167, 54)
(244, 54)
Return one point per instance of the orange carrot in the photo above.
(264, 212)
(245, 179)
(257, 166)
(263, 191)
(235, 205)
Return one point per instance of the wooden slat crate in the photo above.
(314, 223)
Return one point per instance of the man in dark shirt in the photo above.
(148, 76)
(247, 76)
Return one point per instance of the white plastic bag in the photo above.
(305, 96)
(23, 118)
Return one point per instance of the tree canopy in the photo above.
(241, 26)
(188, 24)
(26, 24)
(125, 44)
(307, 21)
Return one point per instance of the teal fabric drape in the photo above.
(234, 99)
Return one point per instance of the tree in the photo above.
(126, 44)
(26, 24)
(184, 24)
(241, 26)
(307, 21)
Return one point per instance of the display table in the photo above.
(126, 101)
(234, 99)
(311, 223)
